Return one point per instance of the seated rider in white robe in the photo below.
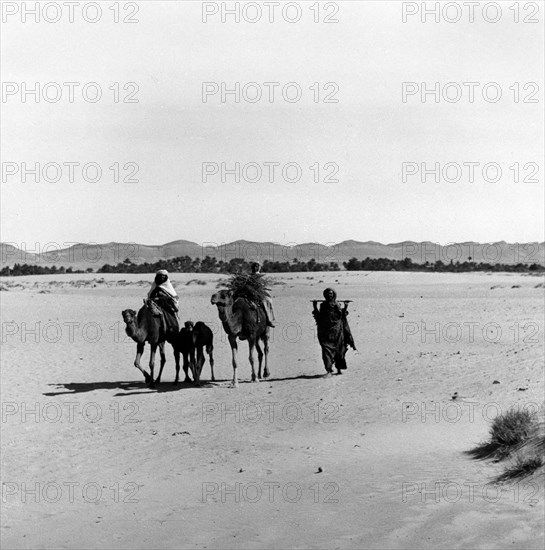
(163, 294)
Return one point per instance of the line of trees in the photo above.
(385, 264)
(33, 269)
(185, 264)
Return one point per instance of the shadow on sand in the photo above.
(300, 377)
(487, 451)
(141, 387)
(127, 388)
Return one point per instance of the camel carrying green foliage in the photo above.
(243, 316)
(252, 286)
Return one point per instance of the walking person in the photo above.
(334, 332)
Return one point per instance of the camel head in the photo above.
(222, 298)
(129, 316)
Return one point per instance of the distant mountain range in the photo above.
(83, 256)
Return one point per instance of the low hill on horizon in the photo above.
(83, 256)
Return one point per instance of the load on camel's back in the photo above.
(244, 315)
(253, 287)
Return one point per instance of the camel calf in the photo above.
(190, 338)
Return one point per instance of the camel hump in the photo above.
(202, 328)
(243, 303)
(203, 333)
(252, 313)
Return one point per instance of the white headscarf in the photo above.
(166, 286)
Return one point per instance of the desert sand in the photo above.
(370, 459)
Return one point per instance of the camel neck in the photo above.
(134, 331)
(222, 313)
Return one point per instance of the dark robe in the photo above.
(334, 334)
(169, 308)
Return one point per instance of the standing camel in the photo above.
(190, 338)
(147, 326)
(241, 320)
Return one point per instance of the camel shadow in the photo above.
(226, 381)
(83, 387)
(127, 388)
(166, 387)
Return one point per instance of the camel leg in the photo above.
(251, 347)
(199, 363)
(152, 364)
(195, 368)
(265, 339)
(210, 351)
(163, 360)
(259, 357)
(139, 352)
(177, 360)
(186, 367)
(234, 349)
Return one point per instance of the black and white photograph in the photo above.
(272, 274)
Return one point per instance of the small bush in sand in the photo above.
(512, 428)
(528, 458)
(520, 437)
(522, 468)
(508, 431)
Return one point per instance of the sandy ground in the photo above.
(92, 458)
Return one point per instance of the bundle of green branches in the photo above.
(252, 286)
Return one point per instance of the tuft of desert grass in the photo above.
(528, 459)
(508, 432)
(519, 438)
(512, 428)
(522, 468)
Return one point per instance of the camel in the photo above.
(191, 338)
(147, 326)
(242, 320)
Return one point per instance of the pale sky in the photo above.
(369, 133)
